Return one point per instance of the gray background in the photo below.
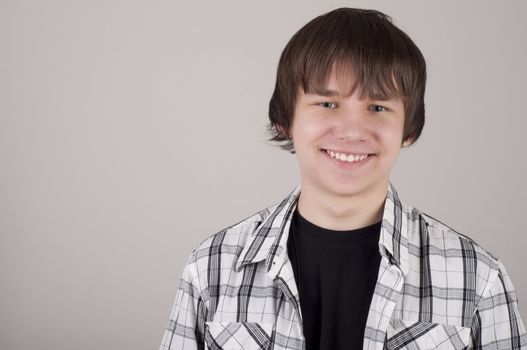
(131, 130)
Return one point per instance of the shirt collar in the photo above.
(268, 241)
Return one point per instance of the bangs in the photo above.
(378, 84)
(365, 56)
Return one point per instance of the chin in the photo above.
(345, 189)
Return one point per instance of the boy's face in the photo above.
(335, 126)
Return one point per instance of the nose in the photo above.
(351, 125)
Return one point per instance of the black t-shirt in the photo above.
(335, 272)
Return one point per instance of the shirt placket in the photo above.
(388, 291)
(289, 313)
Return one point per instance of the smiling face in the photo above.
(346, 145)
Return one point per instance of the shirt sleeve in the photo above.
(497, 323)
(186, 325)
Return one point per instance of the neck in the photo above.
(341, 213)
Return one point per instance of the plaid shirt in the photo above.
(436, 289)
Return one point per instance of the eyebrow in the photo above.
(331, 93)
(379, 97)
(326, 92)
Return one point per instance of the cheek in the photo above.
(390, 133)
(307, 129)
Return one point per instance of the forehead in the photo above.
(343, 81)
(345, 78)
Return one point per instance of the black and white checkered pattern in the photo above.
(436, 289)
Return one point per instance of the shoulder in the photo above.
(450, 253)
(235, 235)
(425, 228)
(225, 246)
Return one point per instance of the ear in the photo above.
(409, 140)
(283, 131)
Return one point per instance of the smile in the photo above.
(350, 158)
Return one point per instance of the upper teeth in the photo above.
(346, 157)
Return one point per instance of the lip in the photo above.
(346, 152)
(347, 165)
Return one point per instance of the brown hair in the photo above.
(361, 43)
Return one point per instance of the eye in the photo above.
(378, 108)
(328, 105)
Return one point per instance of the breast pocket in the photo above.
(238, 335)
(403, 334)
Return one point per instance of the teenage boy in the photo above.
(341, 262)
